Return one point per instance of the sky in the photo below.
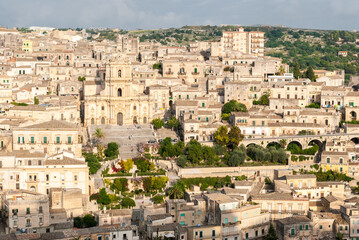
(155, 14)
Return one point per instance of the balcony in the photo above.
(181, 73)
(169, 73)
(195, 73)
(57, 142)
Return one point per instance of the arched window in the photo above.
(92, 121)
(144, 120)
(119, 92)
(102, 120)
(119, 73)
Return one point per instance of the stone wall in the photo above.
(260, 171)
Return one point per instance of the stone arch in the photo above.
(119, 92)
(135, 120)
(119, 73)
(33, 189)
(144, 120)
(252, 143)
(297, 143)
(353, 116)
(274, 144)
(103, 120)
(315, 141)
(92, 121)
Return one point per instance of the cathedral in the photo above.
(116, 97)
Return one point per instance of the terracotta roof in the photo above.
(54, 124)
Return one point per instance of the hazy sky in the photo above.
(152, 14)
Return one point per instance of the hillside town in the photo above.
(130, 139)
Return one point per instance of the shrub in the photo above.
(89, 221)
(128, 202)
(158, 199)
(112, 150)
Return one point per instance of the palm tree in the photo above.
(99, 134)
(283, 143)
(177, 191)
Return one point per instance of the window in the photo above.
(32, 140)
(45, 139)
(328, 160)
(27, 210)
(235, 219)
(300, 227)
(57, 139)
(75, 178)
(203, 104)
(200, 234)
(320, 227)
(246, 215)
(292, 232)
(247, 235)
(213, 233)
(226, 220)
(306, 227)
(40, 209)
(68, 139)
(182, 214)
(341, 160)
(182, 223)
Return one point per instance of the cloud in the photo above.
(152, 14)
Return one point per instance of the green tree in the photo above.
(283, 143)
(157, 66)
(281, 70)
(99, 135)
(182, 161)
(81, 79)
(120, 184)
(194, 151)
(296, 70)
(36, 101)
(158, 199)
(235, 137)
(234, 106)
(272, 235)
(158, 123)
(89, 221)
(209, 155)
(128, 202)
(103, 197)
(265, 100)
(236, 158)
(112, 150)
(221, 136)
(310, 73)
(172, 123)
(177, 190)
(78, 222)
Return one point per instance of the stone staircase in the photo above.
(128, 137)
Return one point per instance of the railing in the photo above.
(181, 73)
